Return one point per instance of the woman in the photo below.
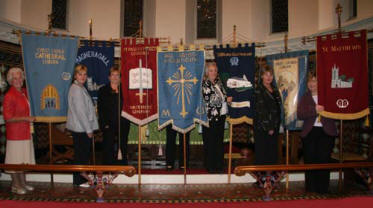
(267, 121)
(215, 99)
(81, 121)
(317, 137)
(110, 103)
(19, 146)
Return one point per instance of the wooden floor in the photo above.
(173, 193)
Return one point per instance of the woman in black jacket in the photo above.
(267, 122)
(267, 119)
(109, 99)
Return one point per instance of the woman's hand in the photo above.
(319, 108)
(229, 100)
(270, 132)
(30, 119)
(90, 135)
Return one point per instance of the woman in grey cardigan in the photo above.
(81, 121)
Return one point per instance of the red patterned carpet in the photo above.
(350, 202)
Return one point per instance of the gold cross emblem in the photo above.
(182, 83)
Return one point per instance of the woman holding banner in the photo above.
(215, 98)
(81, 121)
(317, 137)
(267, 122)
(110, 103)
(19, 145)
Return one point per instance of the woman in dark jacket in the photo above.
(267, 119)
(317, 136)
(109, 118)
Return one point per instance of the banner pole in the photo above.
(287, 159)
(340, 155)
(139, 155)
(50, 150)
(184, 149)
(230, 152)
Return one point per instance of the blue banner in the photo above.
(49, 64)
(98, 57)
(236, 67)
(180, 102)
(290, 71)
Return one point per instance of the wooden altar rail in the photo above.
(241, 170)
(268, 186)
(98, 182)
(127, 170)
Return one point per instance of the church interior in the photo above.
(273, 26)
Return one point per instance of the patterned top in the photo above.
(214, 96)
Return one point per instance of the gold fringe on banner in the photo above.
(50, 119)
(243, 119)
(345, 116)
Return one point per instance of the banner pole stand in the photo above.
(287, 160)
(184, 149)
(50, 150)
(139, 156)
(230, 152)
(340, 155)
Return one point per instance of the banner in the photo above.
(139, 78)
(98, 57)
(49, 65)
(236, 67)
(342, 72)
(180, 102)
(290, 72)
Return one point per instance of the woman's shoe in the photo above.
(28, 187)
(169, 168)
(18, 190)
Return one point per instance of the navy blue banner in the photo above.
(98, 57)
(236, 67)
(290, 71)
(49, 64)
(180, 102)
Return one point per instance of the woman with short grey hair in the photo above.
(19, 146)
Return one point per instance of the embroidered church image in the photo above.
(340, 81)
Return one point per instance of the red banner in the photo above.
(342, 71)
(139, 78)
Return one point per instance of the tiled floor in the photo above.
(173, 193)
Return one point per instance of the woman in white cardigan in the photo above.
(81, 121)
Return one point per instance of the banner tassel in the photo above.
(366, 123)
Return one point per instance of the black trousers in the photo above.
(213, 143)
(317, 147)
(110, 143)
(171, 147)
(82, 154)
(266, 148)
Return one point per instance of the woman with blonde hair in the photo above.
(81, 121)
(19, 146)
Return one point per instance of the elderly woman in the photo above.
(317, 137)
(81, 121)
(19, 146)
(215, 99)
(267, 121)
(109, 106)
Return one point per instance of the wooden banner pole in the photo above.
(50, 149)
(230, 152)
(139, 156)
